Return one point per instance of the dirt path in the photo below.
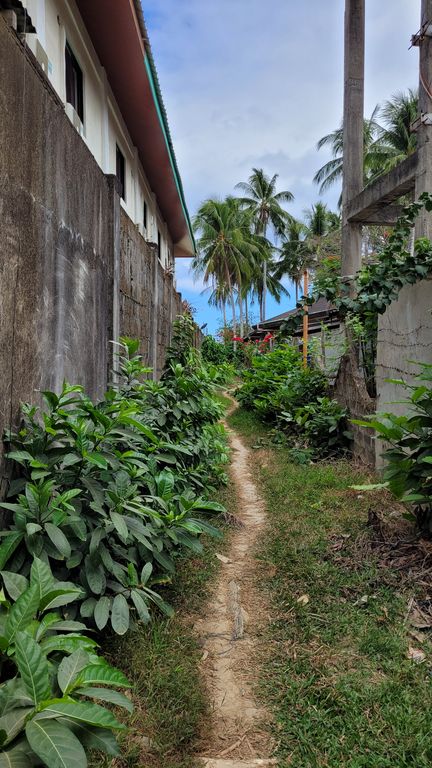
(227, 633)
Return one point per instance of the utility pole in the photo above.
(353, 148)
(305, 319)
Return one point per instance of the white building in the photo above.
(97, 56)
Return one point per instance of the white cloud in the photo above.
(248, 83)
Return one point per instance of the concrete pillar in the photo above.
(155, 316)
(113, 223)
(353, 129)
(423, 183)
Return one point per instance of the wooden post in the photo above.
(353, 129)
(423, 182)
(305, 319)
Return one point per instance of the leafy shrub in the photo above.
(213, 351)
(222, 353)
(321, 425)
(281, 391)
(110, 492)
(267, 375)
(52, 678)
(407, 471)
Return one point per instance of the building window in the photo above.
(74, 83)
(145, 215)
(121, 172)
(159, 246)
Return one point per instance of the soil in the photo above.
(228, 633)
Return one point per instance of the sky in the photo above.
(253, 83)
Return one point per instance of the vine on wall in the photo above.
(360, 300)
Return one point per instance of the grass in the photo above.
(335, 672)
(162, 662)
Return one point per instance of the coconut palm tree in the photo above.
(294, 256)
(226, 247)
(264, 203)
(387, 140)
(397, 114)
(320, 224)
(331, 172)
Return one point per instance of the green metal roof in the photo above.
(163, 117)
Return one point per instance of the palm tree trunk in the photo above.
(264, 293)
(247, 313)
(232, 299)
(240, 303)
(234, 324)
(297, 291)
(224, 312)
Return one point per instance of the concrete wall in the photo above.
(56, 242)
(74, 271)
(149, 302)
(350, 391)
(58, 21)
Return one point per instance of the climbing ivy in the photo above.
(359, 300)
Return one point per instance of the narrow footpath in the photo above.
(237, 735)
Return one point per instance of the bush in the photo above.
(109, 493)
(213, 351)
(321, 427)
(222, 353)
(407, 471)
(51, 677)
(284, 393)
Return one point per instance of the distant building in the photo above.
(325, 333)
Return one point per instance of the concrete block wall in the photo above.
(74, 271)
(350, 391)
(149, 302)
(56, 242)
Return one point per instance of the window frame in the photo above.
(74, 82)
(121, 172)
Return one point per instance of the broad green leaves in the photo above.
(48, 663)
(32, 666)
(120, 615)
(69, 669)
(55, 744)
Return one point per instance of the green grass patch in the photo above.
(335, 672)
(162, 662)
(223, 400)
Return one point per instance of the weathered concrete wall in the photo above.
(74, 271)
(56, 242)
(404, 339)
(149, 302)
(350, 391)
(137, 265)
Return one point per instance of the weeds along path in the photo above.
(237, 737)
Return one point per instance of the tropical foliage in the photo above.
(104, 498)
(54, 684)
(109, 492)
(387, 139)
(296, 401)
(264, 203)
(408, 448)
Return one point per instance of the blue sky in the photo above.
(251, 83)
